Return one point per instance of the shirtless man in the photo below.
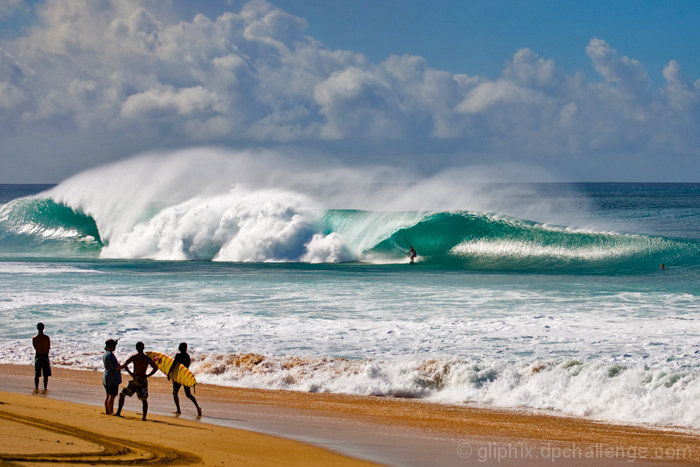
(139, 383)
(42, 344)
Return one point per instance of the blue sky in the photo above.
(586, 90)
(480, 35)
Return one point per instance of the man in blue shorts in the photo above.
(139, 383)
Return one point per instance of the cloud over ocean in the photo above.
(86, 74)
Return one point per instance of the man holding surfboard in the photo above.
(184, 359)
(139, 383)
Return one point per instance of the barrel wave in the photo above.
(278, 226)
(42, 227)
(491, 242)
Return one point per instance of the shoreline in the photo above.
(36, 431)
(390, 430)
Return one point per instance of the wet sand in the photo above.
(384, 430)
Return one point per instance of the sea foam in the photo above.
(654, 393)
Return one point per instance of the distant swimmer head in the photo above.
(111, 344)
(663, 266)
(140, 346)
(183, 347)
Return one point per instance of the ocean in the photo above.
(536, 297)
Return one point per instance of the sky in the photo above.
(579, 91)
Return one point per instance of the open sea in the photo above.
(526, 296)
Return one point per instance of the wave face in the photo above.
(276, 226)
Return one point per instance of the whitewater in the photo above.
(285, 273)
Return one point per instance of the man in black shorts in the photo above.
(42, 344)
(184, 359)
(139, 383)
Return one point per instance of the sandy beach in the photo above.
(261, 427)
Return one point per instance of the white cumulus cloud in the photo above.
(92, 71)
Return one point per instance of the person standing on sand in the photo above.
(42, 344)
(182, 358)
(139, 383)
(113, 375)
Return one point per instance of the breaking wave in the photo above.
(271, 226)
(120, 211)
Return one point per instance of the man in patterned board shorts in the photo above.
(139, 384)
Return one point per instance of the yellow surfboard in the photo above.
(164, 363)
